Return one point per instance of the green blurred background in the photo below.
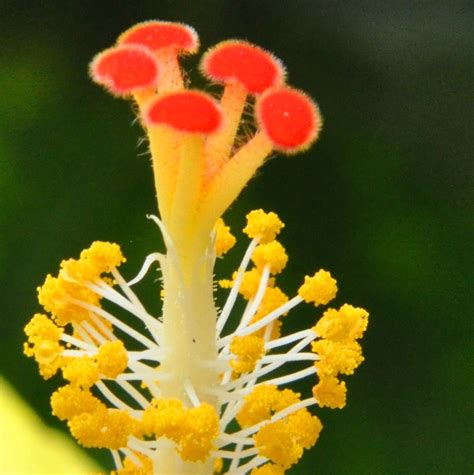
(384, 199)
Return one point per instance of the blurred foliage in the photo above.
(384, 200)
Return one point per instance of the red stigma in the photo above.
(156, 35)
(253, 67)
(125, 69)
(289, 118)
(187, 111)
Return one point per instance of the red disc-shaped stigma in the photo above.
(289, 118)
(125, 69)
(156, 35)
(187, 111)
(255, 68)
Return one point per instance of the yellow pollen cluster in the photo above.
(131, 468)
(250, 282)
(339, 352)
(218, 465)
(57, 294)
(82, 372)
(337, 357)
(274, 298)
(271, 254)
(268, 469)
(112, 358)
(344, 325)
(70, 401)
(225, 240)
(193, 430)
(330, 392)
(43, 344)
(319, 289)
(103, 428)
(248, 349)
(284, 440)
(263, 402)
(103, 256)
(263, 226)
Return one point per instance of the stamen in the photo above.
(285, 357)
(149, 260)
(113, 296)
(116, 322)
(102, 327)
(77, 343)
(116, 458)
(233, 439)
(235, 455)
(257, 300)
(111, 397)
(93, 332)
(286, 340)
(292, 377)
(244, 469)
(234, 292)
(191, 392)
(130, 454)
(264, 321)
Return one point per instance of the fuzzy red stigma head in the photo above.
(290, 119)
(253, 67)
(124, 70)
(157, 35)
(186, 111)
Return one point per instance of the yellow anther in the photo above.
(55, 296)
(103, 428)
(275, 329)
(263, 402)
(47, 351)
(57, 293)
(70, 401)
(319, 289)
(100, 257)
(276, 442)
(82, 372)
(104, 256)
(283, 441)
(304, 427)
(40, 327)
(130, 468)
(78, 271)
(337, 357)
(274, 298)
(248, 349)
(218, 466)
(263, 226)
(250, 283)
(271, 254)
(225, 240)
(43, 344)
(199, 431)
(344, 325)
(268, 469)
(164, 417)
(112, 358)
(193, 430)
(330, 392)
